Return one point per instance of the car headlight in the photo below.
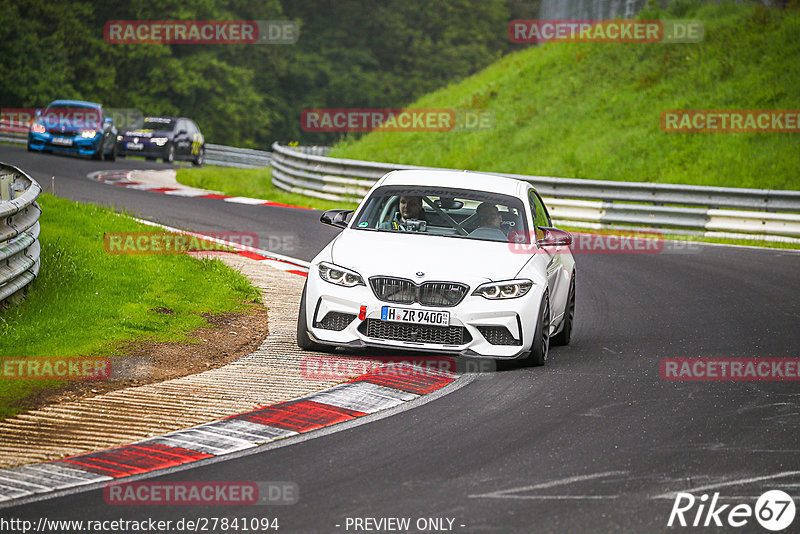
(89, 133)
(119, 138)
(160, 141)
(38, 128)
(509, 289)
(339, 275)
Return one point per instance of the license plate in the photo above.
(406, 315)
(135, 146)
(61, 141)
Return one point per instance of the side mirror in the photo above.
(553, 237)
(337, 218)
(108, 120)
(37, 113)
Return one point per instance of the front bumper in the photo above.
(85, 146)
(475, 317)
(148, 150)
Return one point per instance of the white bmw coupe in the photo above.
(445, 262)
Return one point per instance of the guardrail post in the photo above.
(6, 192)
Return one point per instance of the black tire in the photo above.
(30, 149)
(150, 158)
(541, 337)
(99, 154)
(170, 156)
(112, 156)
(303, 341)
(200, 158)
(563, 337)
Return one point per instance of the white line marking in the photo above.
(505, 494)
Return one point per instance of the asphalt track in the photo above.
(594, 441)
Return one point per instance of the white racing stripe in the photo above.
(196, 439)
(247, 430)
(361, 397)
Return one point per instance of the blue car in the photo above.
(76, 127)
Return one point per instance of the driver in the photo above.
(409, 208)
(490, 223)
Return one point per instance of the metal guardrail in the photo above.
(19, 231)
(573, 201)
(228, 156)
(13, 137)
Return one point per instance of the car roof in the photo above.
(81, 103)
(457, 179)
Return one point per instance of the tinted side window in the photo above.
(539, 213)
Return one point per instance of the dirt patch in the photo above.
(228, 337)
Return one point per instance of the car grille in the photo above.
(66, 133)
(442, 335)
(498, 335)
(402, 291)
(335, 321)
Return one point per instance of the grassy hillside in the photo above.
(590, 110)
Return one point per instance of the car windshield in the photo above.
(71, 117)
(443, 211)
(158, 124)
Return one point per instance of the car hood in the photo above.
(441, 258)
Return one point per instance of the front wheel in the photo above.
(303, 341)
(563, 337)
(541, 337)
(200, 158)
(112, 156)
(170, 157)
(99, 154)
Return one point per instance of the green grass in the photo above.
(591, 110)
(87, 302)
(253, 183)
